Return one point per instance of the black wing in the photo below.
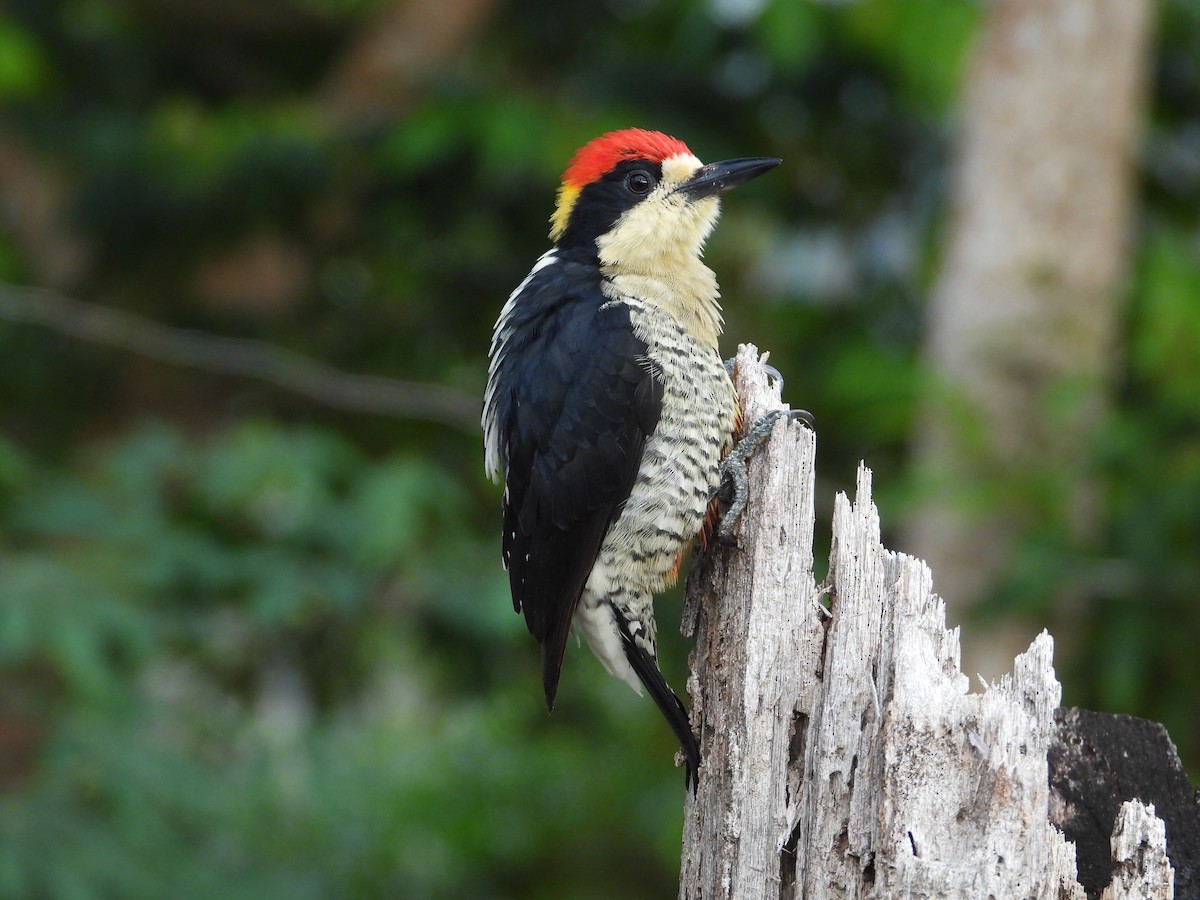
(575, 401)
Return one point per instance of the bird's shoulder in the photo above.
(566, 363)
(572, 399)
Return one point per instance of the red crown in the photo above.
(598, 156)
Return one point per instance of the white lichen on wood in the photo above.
(843, 753)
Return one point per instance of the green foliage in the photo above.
(191, 796)
(1163, 354)
(790, 34)
(1132, 588)
(237, 717)
(924, 40)
(22, 65)
(1146, 616)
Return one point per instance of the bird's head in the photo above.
(643, 196)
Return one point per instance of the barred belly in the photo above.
(665, 510)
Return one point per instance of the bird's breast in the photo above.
(687, 293)
(682, 456)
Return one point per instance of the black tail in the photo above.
(668, 703)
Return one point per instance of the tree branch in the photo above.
(240, 356)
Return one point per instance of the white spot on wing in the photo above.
(493, 452)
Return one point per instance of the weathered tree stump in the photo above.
(843, 754)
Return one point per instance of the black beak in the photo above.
(718, 177)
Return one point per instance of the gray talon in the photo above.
(803, 415)
(733, 469)
(773, 372)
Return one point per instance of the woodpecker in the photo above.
(608, 409)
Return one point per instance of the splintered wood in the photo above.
(843, 755)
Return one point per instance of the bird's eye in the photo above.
(639, 181)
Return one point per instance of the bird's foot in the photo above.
(734, 483)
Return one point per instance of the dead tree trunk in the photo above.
(843, 754)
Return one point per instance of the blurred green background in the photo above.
(257, 645)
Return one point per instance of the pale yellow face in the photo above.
(652, 253)
(666, 226)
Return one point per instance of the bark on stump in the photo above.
(843, 754)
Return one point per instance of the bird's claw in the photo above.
(803, 416)
(734, 482)
(773, 373)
